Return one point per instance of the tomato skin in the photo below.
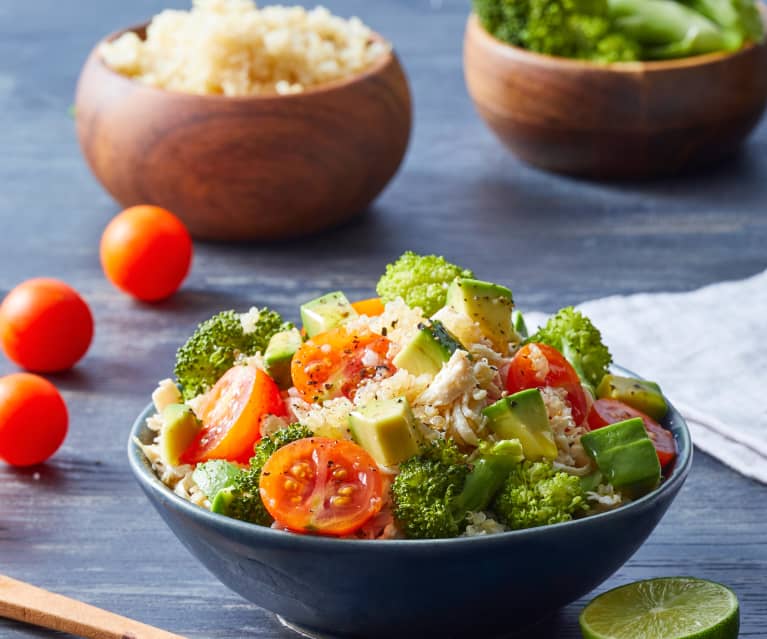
(609, 411)
(523, 375)
(331, 364)
(232, 413)
(321, 486)
(45, 326)
(146, 252)
(33, 419)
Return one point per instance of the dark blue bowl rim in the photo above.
(146, 477)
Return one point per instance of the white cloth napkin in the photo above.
(708, 351)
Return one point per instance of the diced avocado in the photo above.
(386, 429)
(523, 416)
(489, 305)
(625, 455)
(518, 323)
(214, 475)
(431, 347)
(180, 427)
(637, 393)
(326, 312)
(222, 500)
(279, 353)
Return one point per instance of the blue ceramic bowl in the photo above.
(465, 587)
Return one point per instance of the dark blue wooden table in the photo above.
(79, 525)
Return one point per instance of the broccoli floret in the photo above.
(420, 280)
(216, 344)
(534, 494)
(242, 500)
(424, 491)
(573, 335)
(436, 490)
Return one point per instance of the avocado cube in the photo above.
(625, 455)
(641, 394)
(489, 305)
(215, 475)
(386, 429)
(523, 416)
(431, 347)
(326, 312)
(180, 428)
(279, 354)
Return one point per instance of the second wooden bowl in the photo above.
(246, 168)
(620, 120)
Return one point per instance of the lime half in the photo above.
(667, 608)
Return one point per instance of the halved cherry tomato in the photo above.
(323, 486)
(609, 411)
(335, 363)
(558, 373)
(231, 415)
(371, 307)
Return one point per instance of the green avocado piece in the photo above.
(222, 500)
(637, 393)
(386, 429)
(519, 324)
(279, 354)
(489, 305)
(326, 312)
(180, 427)
(625, 455)
(215, 475)
(431, 347)
(591, 482)
(523, 416)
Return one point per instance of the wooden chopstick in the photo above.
(38, 607)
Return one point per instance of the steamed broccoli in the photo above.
(534, 494)
(420, 280)
(573, 334)
(435, 491)
(568, 28)
(241, 499)
(218, 341)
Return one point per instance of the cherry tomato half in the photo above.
(146, 252)
(45, 326)
(232, 413)
(557, 372)
(609, 411)
(335, 363)
(33, 419)
(323, 486)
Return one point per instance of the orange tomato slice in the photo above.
(322, 486)
(231, 415)
(370, 307)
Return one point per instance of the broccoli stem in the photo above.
(667, 29)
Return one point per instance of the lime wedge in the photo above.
(667, 608)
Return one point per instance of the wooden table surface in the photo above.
(79, 525)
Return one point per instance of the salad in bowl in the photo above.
(428, 412)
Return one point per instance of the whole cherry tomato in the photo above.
(45, 326)
(146, 252)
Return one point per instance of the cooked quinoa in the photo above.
(233, 48)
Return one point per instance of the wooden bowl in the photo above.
(620, 120)
(246, 168)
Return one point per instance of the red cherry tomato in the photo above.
(232, 413)
(146, 252)
(323, 486)
(33, 419)
(45, 326)
(557, 372)
(609, 411)
(335, 363)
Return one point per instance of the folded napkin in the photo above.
(708, 351)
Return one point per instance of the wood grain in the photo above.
(23, 602)
(246, 168)
(79, 524)
(627, 120)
